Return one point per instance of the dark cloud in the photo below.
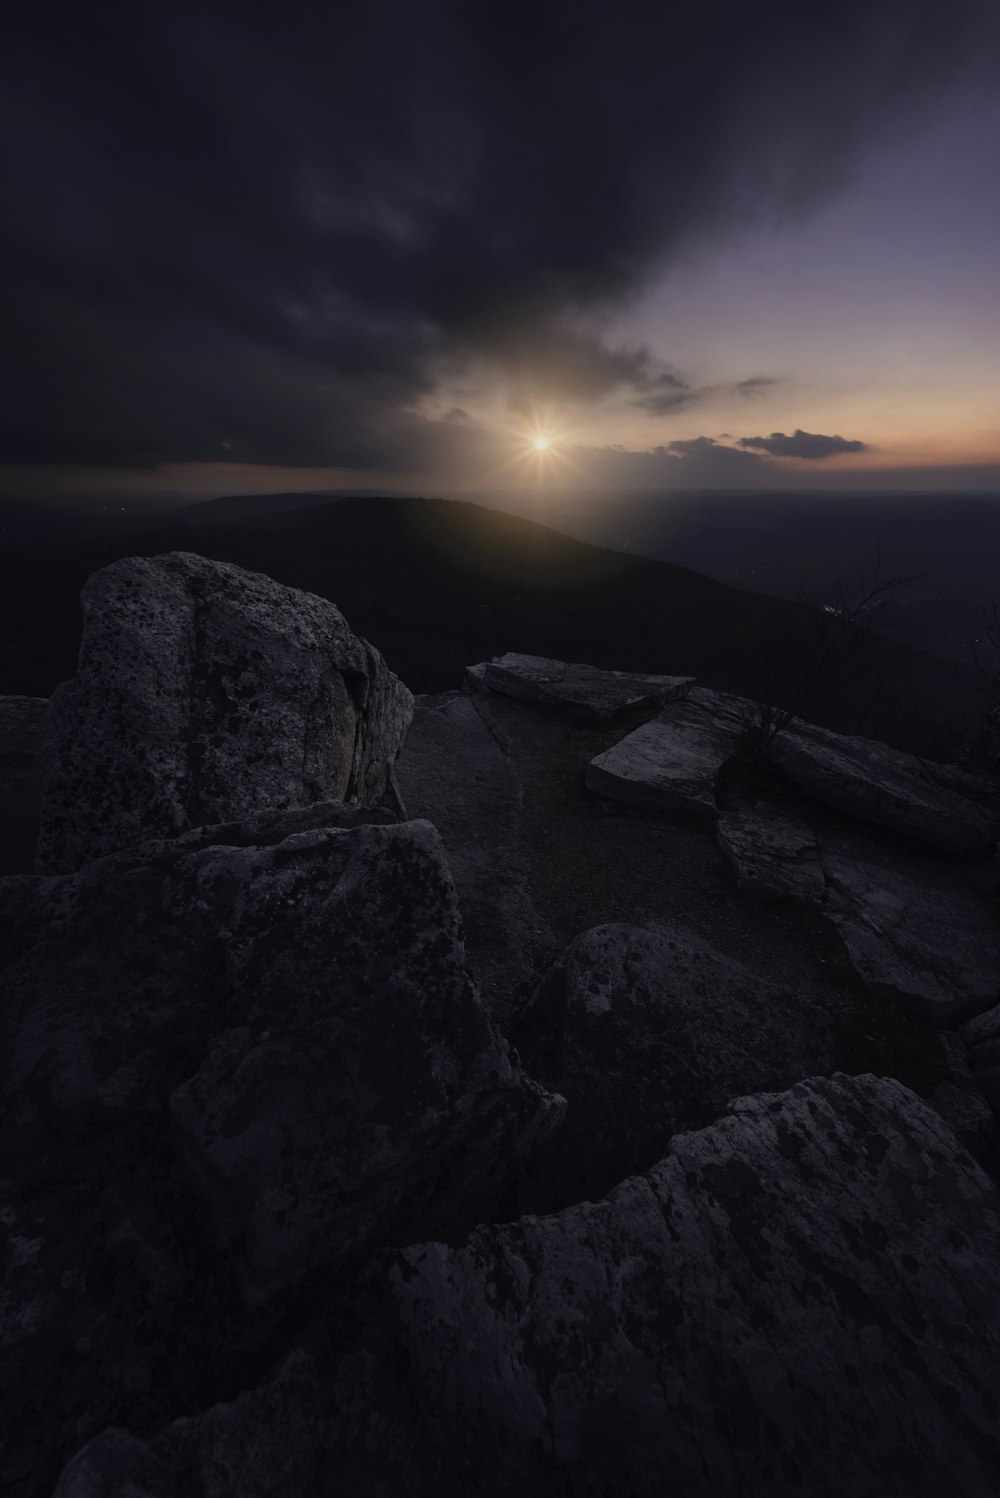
(665, 392)
(755, 385)
(268, 232)
(802, 445)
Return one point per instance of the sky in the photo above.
(738, 245)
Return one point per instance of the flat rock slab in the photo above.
(919, 930)
(803, 1298)
(646, 1033)
(205, 693)
(884, 786)
(773, 850)
(454, 770)
(672, 764)
(584, 691)
(22, 729)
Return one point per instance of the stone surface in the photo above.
(884, 786)
(772, 848)
(647, 1033)
(585, 691)
(801, 1299)
(22, 727)
(672, 764)
(205, 693)
(919, 930)
(364, 1075)
(300, 1006)
(455, 769)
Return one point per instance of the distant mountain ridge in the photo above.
(435, 584)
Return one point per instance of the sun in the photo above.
(540, 444)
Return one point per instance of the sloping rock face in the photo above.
(288, 1028)
(672, 764)
(884, 786)
(916, 929)
(982, 1036)
(801, 1299)
(647, 1033)
(22, 727)
(455, 769)
(773, 850)
(584, 691)
(205, 693)
(365, 1074)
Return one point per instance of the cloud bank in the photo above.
(802, 444)
(269, 234)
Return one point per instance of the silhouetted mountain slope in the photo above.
(437, 584)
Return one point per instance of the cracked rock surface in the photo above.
(228, 1067)
(585, 691)
(205, 693)
(801, 1299)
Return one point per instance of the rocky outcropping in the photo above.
(800, 1299)
(672, 764)
(230, 1065)
(584, 691)
(205, 693)
(884, 786)
(648, 1033)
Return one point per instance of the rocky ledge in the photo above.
(285, 1209)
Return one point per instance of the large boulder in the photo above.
(585, 691)
(205, 693)
(274, 1014)
(672, 763)
(22, 727)
(363, 1090)
(647, 1033)
(801, 1299)
(885, 786)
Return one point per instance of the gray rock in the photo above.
(672, 764)
(647, 1033)
(585, 691)
(22, 727)
(115, 1465)
(455, 769)
(917, 930)
(773, 849)
(884, 786)
(352, 1083)
(802, 1298)
(307, 997)
(268, 1443)
(205, 693)
(365, 1090)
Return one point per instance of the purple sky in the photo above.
(755, 246)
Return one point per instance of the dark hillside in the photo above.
(437, 584)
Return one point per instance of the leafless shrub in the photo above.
(839, 657)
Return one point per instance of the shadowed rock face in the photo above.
(647, 1033)
(884, 786)
(798, 1300)
(205, 693)
(227, 1063)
